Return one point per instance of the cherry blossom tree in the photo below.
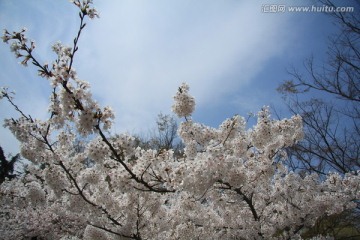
(231, 182)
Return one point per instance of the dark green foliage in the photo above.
(340, 226)
(7, 166)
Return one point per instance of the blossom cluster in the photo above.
(184, 103)
(85, 8)
(84, 183)
(19, 47)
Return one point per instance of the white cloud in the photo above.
(138, 52)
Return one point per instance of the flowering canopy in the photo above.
(230, 183)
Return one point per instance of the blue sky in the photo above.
(138, 52)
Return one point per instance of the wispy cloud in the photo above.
(143, 50)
